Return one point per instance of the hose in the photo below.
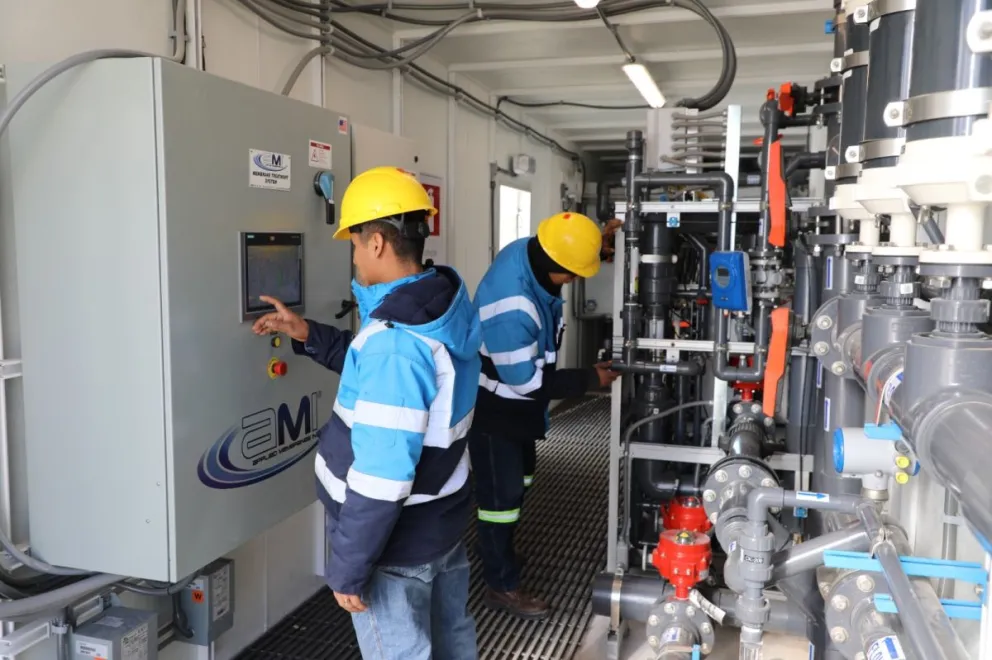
(302, 65)
(56, 599)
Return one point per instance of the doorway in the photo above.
(514, 215)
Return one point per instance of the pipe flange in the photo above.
(727, 486)
(977, 271)
(890, 255)
(679, 623)
(959, 311)
(850, 611)
(830, 239)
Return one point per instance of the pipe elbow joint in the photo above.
(760, 500)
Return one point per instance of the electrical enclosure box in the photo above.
(730, 279)
(208, 603)
(119, 633)
(153, 204)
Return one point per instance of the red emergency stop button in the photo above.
(277, 368)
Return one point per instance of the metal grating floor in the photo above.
(563, 536)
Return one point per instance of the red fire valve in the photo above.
(686, 513)
(682, 558)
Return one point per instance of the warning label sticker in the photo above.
(269, 170)
(134, 645)
(320, 155)
(220, 592)
(91, 650)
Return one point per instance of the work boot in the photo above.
(516, 603)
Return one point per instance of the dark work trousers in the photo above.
(503, 469)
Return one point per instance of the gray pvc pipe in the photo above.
(809, 555)
(950, 434)
(760, 500)
(926, 625)
(640, 594)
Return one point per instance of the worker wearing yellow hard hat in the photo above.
(520, 306)
(396, 436)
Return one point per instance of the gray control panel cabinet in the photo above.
(158, 437)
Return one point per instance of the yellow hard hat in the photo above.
(381, 192)
(573, 241)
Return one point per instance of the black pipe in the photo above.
(631, 233)
(805, 161)
(686, 368)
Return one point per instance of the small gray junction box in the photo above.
(120, 633)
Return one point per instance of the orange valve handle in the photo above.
(778, 356)
(777, 202)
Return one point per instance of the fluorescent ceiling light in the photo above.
(645, 84)
(587, 4)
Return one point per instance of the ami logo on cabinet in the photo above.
(265, 443)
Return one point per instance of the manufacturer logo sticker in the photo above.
(264, 444)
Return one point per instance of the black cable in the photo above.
(570, 104)
(180, 621)
(426, 77)
(616, 34)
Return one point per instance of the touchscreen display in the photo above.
(273, 266)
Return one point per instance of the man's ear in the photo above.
(378, 244)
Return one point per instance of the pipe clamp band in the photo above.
(941, 105)
(615, 599)
(888, 148)
(880, 8)
(855, 60)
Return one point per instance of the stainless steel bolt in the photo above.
(669, 608)
(738, 408)
(709, 496)
(985, 30)
(653, 641)
(653, 620)
(838, 368)
(838, 634)
(776, 510)
(727, 494)
(839, 603)
(821, 348)
(769, 421)
(767, 482)
(721, 476)
(824, 588)
(690, 611)
(713, 517)
(865, 584)
(744, 471)
(893, 113)
(755, 408)
(705, 648)
(706, 629)
(824, 322)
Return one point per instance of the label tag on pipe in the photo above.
(826, 414)
(819, 375)
(806, 496)
(828, 271)
(887, 648)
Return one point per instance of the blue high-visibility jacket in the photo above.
(522, 331)
(392, 463)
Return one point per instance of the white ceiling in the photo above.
(776, 41)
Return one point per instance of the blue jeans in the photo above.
(418, 612)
